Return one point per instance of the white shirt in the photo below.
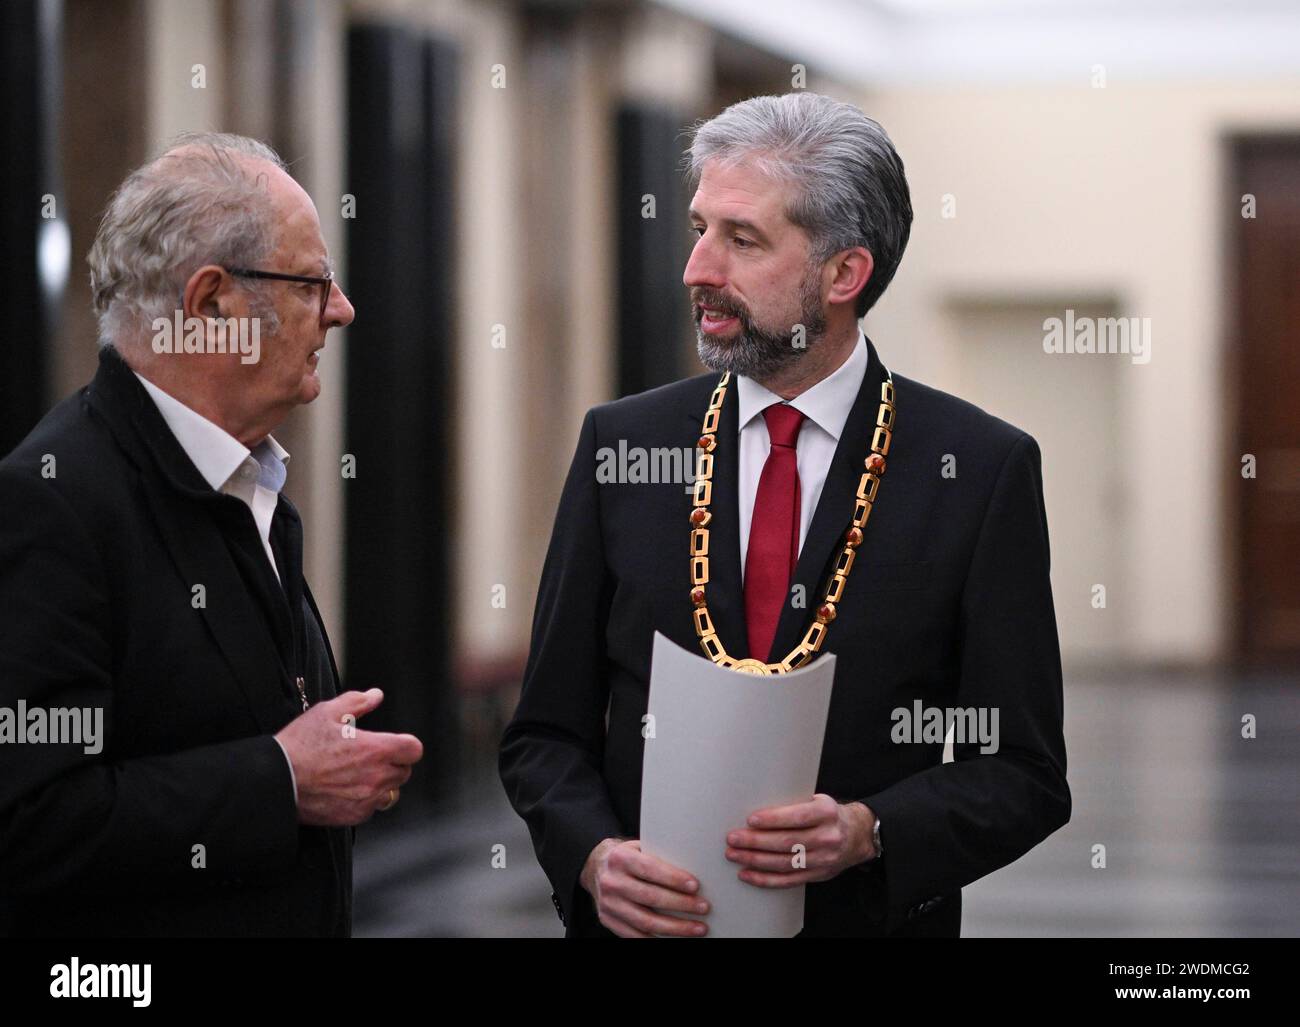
(252, 475)
(826, 407)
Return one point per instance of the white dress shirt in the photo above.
(826, 407)
(255, 476)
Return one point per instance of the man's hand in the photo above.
(631, 886)
(344, 774)
(833, 837)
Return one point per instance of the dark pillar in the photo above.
(653, 309)
(29, 76)
(401, 106)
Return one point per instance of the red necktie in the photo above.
(773, 532)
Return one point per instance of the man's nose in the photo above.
(338, 312)
(703, 269)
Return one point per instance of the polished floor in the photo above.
(1201, 829)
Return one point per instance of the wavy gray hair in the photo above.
(850, 186)
(197, 203)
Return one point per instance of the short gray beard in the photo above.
(759, 352)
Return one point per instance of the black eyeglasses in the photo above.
(326, 283)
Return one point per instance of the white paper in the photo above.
(724, 745)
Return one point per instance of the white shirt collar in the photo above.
(215, 453)
(827, 404)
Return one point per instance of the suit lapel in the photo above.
(834, 511)
(196, 545)
(244, 546)
(187, 513)
(725, 596)
(287, 526)
(314, 610)
(286, 540)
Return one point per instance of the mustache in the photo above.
(717, 301)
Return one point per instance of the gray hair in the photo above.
(850, 189)
(197, 203)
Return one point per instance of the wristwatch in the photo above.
(875, 840)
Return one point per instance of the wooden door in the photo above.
(1264, 355)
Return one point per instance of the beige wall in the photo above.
(1074, 195)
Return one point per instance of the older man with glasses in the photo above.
(151, 573)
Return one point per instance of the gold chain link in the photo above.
(815, 637)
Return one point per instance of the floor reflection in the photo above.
(1201, 829)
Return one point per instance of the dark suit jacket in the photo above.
(949, 602)
(98, 563)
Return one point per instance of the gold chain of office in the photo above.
(700, 518)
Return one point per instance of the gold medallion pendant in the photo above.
(869, 484)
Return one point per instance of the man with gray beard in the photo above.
(802, 211)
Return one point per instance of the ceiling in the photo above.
(916, 42)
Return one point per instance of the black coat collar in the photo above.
(210, 536)
(117, 396)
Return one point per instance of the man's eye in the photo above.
(698, 230)
(742, 242)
